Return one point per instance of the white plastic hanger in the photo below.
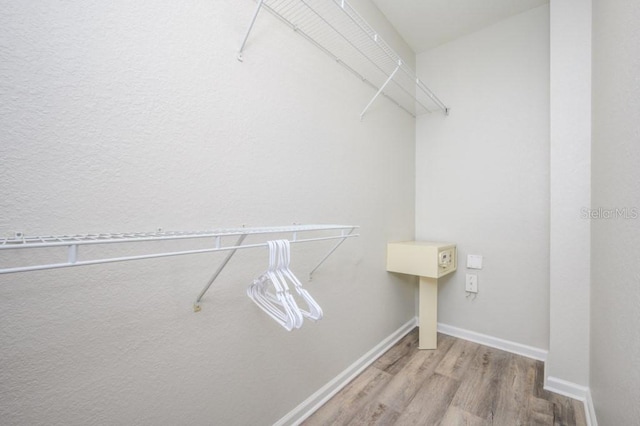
(275, 274)
(280, 306)
(258, 292)
(314, 311)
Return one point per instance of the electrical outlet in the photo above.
(471, 285)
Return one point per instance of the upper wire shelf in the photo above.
(337, 29)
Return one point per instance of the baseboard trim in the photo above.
(322, 395)
(590, 410)
(575, 391)
(494, 342)
(563, 387)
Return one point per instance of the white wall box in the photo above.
(429, 261)
(421, 258)
(338, 30)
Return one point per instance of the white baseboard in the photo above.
(494, 342)
(572, 390)
(322, 395)
(566, 388)
(590, 411)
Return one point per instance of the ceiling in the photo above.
(428, 23)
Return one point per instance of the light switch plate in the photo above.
(474, 261)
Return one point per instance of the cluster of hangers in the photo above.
(270, 291)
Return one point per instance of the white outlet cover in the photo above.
(474, 261)
(471, 283)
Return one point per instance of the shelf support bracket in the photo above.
(379, 91)
(196, 306)
(73, 254)
(344, 237)
(432, 96)
(246, 36)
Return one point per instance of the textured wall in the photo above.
(483, 175)
(615, 274)
(570, 191)
(129, 116)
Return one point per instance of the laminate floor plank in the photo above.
(375, 414)
(457, 417)
(512, 399)
(478, 393)
(540, 412)
(460, 383)
(395, 358)
(430, 404)
(402, 388)
(458, 357)
(564, 411)
(340, 409)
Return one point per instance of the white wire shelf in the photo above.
(228, 239)
(337, 29)
(23, 241)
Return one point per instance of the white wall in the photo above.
(483, 174)
(570, 192)
(128, 116)
(615, 245)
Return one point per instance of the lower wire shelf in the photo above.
(219, 241)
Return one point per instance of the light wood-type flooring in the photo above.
(460, 383)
